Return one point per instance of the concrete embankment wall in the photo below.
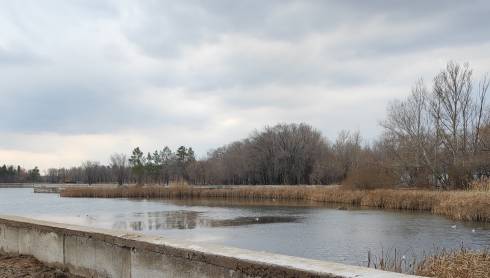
(47, 189)
(107, 253)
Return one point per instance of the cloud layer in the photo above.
(83, 79)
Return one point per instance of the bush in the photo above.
(371, 176)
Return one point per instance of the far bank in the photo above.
(457, 205)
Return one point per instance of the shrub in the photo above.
(370, 176)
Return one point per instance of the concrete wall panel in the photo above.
(79, 253)
(46, 246)
(112, 260)
(9, 239)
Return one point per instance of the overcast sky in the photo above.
(84, 79)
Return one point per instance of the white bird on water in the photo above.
(453, 226)
(473, 230)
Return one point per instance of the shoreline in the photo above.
(456, 205)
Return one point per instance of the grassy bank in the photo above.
(458, 205)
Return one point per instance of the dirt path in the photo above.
(28, 267)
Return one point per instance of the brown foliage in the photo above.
(370, 176)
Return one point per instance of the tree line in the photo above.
(11, 174)
(438, 136)
(158, 167)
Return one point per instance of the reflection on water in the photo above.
(297, 229)
(249, 203)
(157, 220)
(185, 219)
(240, 221)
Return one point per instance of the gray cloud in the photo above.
(18, 58)
(205, 73)
(164, 27)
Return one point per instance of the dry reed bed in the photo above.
(458, 205)
(456, 264)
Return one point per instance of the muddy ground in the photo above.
(29, 267)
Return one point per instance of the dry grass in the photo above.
(459, 263)
(482, 185)
(392, 261)
(456, 264)
(28, 266)
(458, 205)
(179, 183)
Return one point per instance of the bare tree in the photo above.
(459, 116)
(452, 89)
(90, 169)
(480, 110)
(347, 149)
(439, 134)
(119, 166)
(408, 124)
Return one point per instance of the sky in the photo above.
(81, 80)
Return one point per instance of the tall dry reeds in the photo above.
(461, 263)
(392, 261)
(482, 184)
(458, 263)
(458, 205)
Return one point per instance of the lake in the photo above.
(319, 232)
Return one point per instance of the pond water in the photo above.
(304, 230)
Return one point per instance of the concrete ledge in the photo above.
(47, 189)
(108, 253)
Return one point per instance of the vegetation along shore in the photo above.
(458, 205)
(441, 263)
(457, 263)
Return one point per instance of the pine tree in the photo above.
(137, 165)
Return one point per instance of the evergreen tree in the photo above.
(166, 157)
(34, 174)
(137, 164)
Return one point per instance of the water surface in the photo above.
(325, 233)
